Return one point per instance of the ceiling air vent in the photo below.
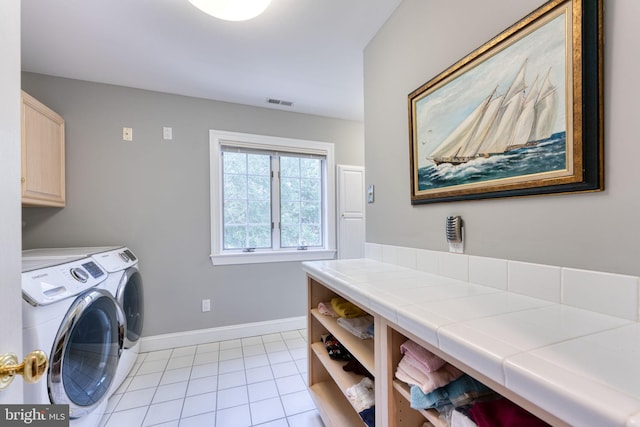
(279, 102)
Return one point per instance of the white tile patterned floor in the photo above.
(256, 381)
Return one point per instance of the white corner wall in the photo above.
(595, 231)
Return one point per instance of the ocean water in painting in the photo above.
(548, 155)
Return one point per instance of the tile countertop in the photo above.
(579, 365)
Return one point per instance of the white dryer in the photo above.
(80, 327)
(125, 285)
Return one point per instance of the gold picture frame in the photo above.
(521, 115)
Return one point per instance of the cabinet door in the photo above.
(43, 173)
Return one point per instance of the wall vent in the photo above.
(279, 102)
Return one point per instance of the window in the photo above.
(272, 199)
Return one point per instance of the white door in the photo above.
(351, 199)
(10, 209)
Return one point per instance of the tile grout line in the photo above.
(285, 340)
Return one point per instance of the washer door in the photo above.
(86, 352)
(130, 296)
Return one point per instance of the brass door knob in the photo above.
(32, 368)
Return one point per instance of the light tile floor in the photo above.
(256, 381)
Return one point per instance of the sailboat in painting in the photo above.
(503, 122)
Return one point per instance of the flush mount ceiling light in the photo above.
(232, 10)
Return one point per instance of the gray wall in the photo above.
(598, 231)
(153, 195)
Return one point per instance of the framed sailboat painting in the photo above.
(522, 115)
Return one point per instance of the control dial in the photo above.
(79, 274)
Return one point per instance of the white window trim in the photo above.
(216, 140)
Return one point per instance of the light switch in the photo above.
(167, 133)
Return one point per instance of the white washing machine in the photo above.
(80, 327)
(125, 285)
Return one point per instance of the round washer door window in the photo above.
(131, 297)
(86, 352)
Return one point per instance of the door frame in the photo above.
(10, 208)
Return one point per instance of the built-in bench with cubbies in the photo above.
(569, 360)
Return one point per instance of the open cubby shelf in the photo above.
(328, 381)
(380, 356)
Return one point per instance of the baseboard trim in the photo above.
(203, 336)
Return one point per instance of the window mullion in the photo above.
(247, 246)
(275, 202)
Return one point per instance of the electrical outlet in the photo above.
(167, 133)
(127, 134)
(206, 305)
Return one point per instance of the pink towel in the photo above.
(428, 360)
(426, 381)
(326, 309)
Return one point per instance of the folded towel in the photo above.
(459, 392)
(503, 413)
(358, 326)
(429, 381)
(361, 395)
(416, 364)
(344, 308)
(371, 330)
(430, 361)
(326, 309)
(438, 398)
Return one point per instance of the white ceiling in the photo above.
(305, 51)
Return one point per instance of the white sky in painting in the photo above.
(441, 111)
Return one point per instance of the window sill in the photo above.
(268, 257)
